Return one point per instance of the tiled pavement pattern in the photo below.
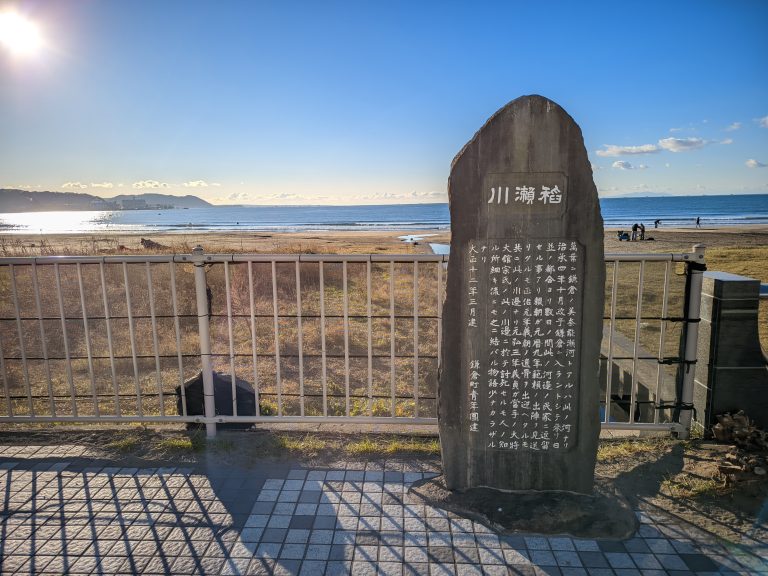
(62, 513)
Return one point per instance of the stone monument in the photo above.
(522, 320)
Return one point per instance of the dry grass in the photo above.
(689, 486)
(614, 449)
(175, 444)
(389, 445)
(126, 444)
(309, 445)
(751, 262)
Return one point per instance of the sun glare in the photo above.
(19, 35)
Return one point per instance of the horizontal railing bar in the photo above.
(264, 393)
(665, 318)
(336, 419)
(225, 419)
(640, 426)
(289, 316)
(170, 316)
(214, 354)
(116, 259)
(329, 258)
(102, 418)
(654, 358)
(652, 257)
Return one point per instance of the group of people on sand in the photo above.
(638, 233)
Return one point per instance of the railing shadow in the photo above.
(90, 515)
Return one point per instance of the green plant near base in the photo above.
(308, 445)
(125, 444)
(392, 445)
(693, 486)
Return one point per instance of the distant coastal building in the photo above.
(134, 204)
(103, 205)
(141, 204)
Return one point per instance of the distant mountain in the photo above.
(12, 200)
(641, 194)
(187, 201)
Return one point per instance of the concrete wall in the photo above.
(731, 372)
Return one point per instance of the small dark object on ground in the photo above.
(151, 244)
(621, 235)
(599, 515)
(222, 393)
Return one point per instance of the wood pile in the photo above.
(747, 460)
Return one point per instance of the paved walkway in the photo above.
(65, 514)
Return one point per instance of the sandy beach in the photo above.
(356, 242)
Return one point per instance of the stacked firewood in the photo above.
(747, 460)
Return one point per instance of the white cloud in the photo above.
(624, 165)
(73, 185)
(149, 184)
(727, 141)
(613, 150)
(102, 185)
(752, 163)
(196, 184)
(733, 126)
(763, 122)
(434, 195)
(682, 144)
(236, 196)
(217, 184)
(676, 129)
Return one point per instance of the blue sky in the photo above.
(366, 102)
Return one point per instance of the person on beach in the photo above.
(634, 231)
(642, 231)
(656, 223)
(698, 222)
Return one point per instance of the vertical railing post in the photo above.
(204, 331)
(695, 268)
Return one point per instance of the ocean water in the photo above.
(733, 210)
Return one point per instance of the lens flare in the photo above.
(19, 35)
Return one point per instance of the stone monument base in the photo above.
(598, 515)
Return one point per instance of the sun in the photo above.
(19, 35)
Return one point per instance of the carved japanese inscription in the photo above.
(523, 356)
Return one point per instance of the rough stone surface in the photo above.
(599, 515)
(530, 142)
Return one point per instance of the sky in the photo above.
(259, 102)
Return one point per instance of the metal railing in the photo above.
(325, 338)
(651, 387)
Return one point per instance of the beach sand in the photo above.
(354, 242)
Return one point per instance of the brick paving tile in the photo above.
(57, 518)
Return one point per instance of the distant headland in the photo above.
(12, 200)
